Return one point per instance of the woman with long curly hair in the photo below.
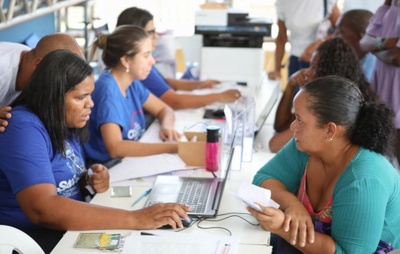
(333, 57)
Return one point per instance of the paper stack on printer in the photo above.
(250, 194)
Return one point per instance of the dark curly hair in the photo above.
(336, 57)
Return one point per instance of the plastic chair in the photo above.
(14, 239)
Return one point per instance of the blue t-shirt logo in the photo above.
(70, 187)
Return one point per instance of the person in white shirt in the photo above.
(301, 18)
(11, 54)
(17, 63)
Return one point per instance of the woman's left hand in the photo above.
(100, 179)
(169, 135)
(299, 224)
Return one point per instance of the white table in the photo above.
(253, 239)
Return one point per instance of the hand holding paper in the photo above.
(250, 194)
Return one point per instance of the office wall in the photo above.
(41, 26)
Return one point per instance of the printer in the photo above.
(231, 28)
(232, 45)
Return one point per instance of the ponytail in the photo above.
(374, 128)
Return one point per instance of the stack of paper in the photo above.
(167, 242)
(135, 167)
(251, 194)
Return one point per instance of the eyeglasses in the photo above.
(151, 32)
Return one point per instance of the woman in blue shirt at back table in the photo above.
(117, 121)
(162, 87)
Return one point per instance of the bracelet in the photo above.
(380, 43)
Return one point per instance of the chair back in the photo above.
(13, 239)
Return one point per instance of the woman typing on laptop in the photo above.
(164, 88)
(42, 174)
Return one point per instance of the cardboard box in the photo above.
(193, 153)
(213, 6)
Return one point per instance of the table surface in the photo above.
(252, 238)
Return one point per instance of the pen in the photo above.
(145, 233)
(226, 248)
(141, 197)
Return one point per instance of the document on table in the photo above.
(143, 166)
(178, 242)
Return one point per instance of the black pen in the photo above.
(145, 233)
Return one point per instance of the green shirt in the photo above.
(366, 197)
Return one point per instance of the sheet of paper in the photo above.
(250, 194)
(223, 86)
(149, 181)
(143, 166)
(182, 243)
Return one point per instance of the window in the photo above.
(176, 14)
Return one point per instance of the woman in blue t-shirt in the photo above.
(117, 121)
(164, 88)
(42, 173)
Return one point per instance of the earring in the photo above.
(329, 139)
(127, 70)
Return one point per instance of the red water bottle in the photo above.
(212, 148)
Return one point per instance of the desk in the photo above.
(252, 239)
(265, 97)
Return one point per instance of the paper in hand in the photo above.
(250, 194)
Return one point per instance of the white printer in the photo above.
(232, 45)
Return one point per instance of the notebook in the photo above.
(203, 195)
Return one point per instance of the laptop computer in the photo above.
(203, 195)
(268, 104)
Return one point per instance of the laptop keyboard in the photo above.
(194, 193)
